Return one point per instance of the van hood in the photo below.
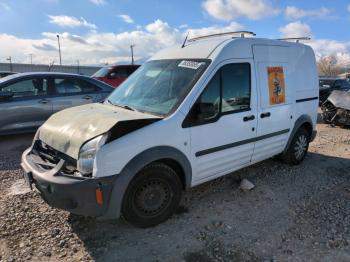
(67, 130)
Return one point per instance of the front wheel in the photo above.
(297, 149)
(152, 196)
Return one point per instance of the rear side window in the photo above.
(121, 72)
(28, 87)
(73, 86)
(235, 87)
(131, 70)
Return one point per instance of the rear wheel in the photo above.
(297, 149)
(152, 196)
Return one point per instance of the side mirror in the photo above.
(5, 95)
(206, 111)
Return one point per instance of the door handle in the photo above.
(87, 97)
(248, 118)
(43, 101)
(266, 114)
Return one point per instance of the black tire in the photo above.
(298, 148)
(152, 196)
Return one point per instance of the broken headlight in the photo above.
(88, 152)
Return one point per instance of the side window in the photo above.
(67, 86)
(345, 84)
(227, 92)
(235, 87)
(28, 87)
(119, 72)
(72, 86)
(207, 106)
(87, 87)
(131, 70)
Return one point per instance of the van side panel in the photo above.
(305, 81)
(276, 99)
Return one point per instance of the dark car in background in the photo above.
(28, 99)
(329, 84)
(6, 73)
(116, 74)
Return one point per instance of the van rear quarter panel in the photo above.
(305, 81)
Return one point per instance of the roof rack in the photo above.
(242, 34)
(296, 39)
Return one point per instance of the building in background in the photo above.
(75, 69)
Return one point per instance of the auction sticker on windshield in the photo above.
(190, 64)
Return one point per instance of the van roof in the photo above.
(210, 48)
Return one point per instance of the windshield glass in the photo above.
(102, 72)
(159, 86)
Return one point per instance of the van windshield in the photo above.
(102, 72)
(159, 86)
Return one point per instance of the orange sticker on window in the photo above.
(277, 91)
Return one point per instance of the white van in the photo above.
(190, 114)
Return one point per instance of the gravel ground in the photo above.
(297, 213)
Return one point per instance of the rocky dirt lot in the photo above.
(299, 213)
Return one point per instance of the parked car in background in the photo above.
(6, 73)
(28, 99)
(329, 84)
(116, 74)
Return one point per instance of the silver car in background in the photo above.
(28, 99)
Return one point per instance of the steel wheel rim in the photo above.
(300, 147)
(152, 197)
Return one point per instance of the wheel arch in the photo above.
(303, 121)
(165, 154)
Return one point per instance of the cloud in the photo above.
(348, 8)
(233, 26)
(183, 26)
(5, 6)
(231, 9)
(45, 47)
(95, 47)
(70, 21)
(296, 29)
(98, 2)
(126, 19)
(322, 47)
(293, 13)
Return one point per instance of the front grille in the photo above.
(47, 158)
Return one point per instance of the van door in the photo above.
(223, 122)
(276, 100)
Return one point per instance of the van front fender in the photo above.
(135, 165)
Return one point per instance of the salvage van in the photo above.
(190, 114)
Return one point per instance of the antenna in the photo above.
(296, 39)
(183, 45)
(242, 34)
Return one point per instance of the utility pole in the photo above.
(31, 58)
(59, 48)
(10, 59)
(132, 54)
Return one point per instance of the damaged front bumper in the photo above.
(76, 194)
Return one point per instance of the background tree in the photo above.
(328, 66)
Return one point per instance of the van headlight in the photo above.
(88, 152)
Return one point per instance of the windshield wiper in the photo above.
(122, 106)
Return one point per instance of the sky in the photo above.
(97, 32)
